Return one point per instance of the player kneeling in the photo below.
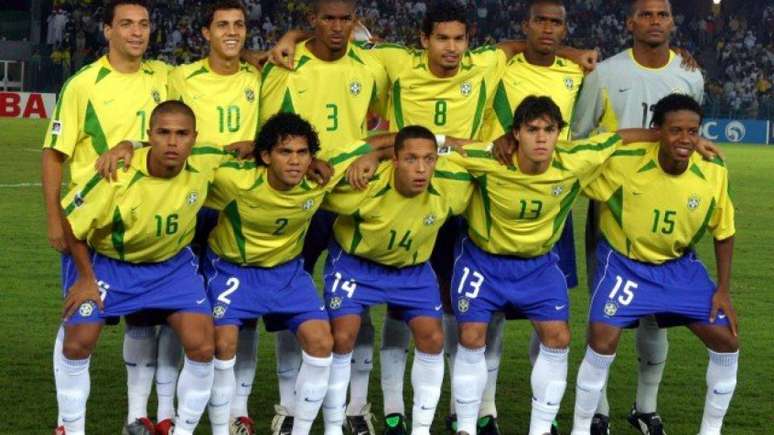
(657, 202)
(129, 243)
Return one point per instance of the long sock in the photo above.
(336, 397)
(592, 376)
(288, 363)
(72, 392)
(721, 382)
(140, 361)
(652, 348)
(395, 342)
(58, 344)
(426, 380)
(450, 343)
(168, 360)
(220, 399)
(469, 380)
(494, 351)
(311, 386)
(362, 364)
(193, 393)
(549, 380)
(603, 407)
(244, 371)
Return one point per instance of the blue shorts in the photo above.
(284, 295)
(676, 292)
(531, 288)
(353, 284)
(126, 288)
(565, 249)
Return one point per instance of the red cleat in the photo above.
(59, 431)
(164, 427)
(243, 426)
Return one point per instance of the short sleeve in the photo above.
(590, 106)
(64, 130)
(722, 220)
(456, 183)
(91, 206)
(585, 157)
(175, 84)
(342, 162)
(393, 57)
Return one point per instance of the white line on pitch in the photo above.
(21, 185)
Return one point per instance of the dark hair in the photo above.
(412, 132)
(534, 107)
(110, 9)
(443, 11)
(278, 128)
(316, 3)
(222, 5)
(172, 106)
(674, 103)
(633, 7)
(533, 3)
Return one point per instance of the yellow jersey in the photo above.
(512, 213)
(259, 226)
(141, 218)
(383, 226)
(560, 81)
(335, 97)
(98, 107)
(651, 216)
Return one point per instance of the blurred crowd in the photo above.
(736, 51)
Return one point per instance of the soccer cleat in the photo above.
(362, 423)
(647, 424)
(395, 424)
(59, 430)
(554, 428)
(282, 423)
(164, 427)
(242, 426)
(487, 425)
(141, 426)
(451, 424)
(600, 425)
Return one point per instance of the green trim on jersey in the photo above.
(648, 166)
(699, 234)
(231, 210)
(615, 203)
(480, 154)
(118, 232)
(258, 182)
(558, 165)
(202, 70)
(448, 175)
(717, 160)
(137, 176)
(482, 185)
(80, 196)
(103, 72)
(266, 70)
(502, 107)
(479, 110)
(396, 104)
(637, 152)
(359, 151)
(695, 169)
(206, 149)
(351, 53)
(287, 103)
(357, 236)
(301, 62)
(564, 208)
(384, 190)
(484, 48)
(93, 128)
(59, 101)
(591, 146)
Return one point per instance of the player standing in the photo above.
(621, 93)
(105, 102)
(129, 245)
(658, 200)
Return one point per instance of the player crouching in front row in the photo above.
(129, 241)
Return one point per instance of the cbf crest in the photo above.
(335, 303)
(557, 190)
(192, 197)
(466, 88)
(355, 88)
(430, 219)
(250, 95)
(693, 202)
(610, 309)
(156, 95)
(463, 305)
(308, 204)
(219, 311)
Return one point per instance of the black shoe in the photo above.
(361, 424)
(554, 428)
(395, 424)
(600, 425)
(647, 424)
(282, 424)
(487, 425)
(451, 424)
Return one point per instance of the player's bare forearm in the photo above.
(254, 57)
(512, 47)
(79, 251)
(633, 135)
(51, 179)
(382, 145)
(283, 52)
(724, 251)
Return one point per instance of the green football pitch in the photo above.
(30, 306)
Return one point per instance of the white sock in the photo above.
(592, 376)
(450, 343)
(395, 342)
(168, 360)
(140, 361)
(721, 382)
(469, 380)
(494, 351)
(603, 407)
(311, 386)
(362, 364)
(58, 344)
(336, 397)
(288, 363)
(426, 381)
(549, 380)
(652, 347)
(244, 370)
(220, 399)
(72, 392)
(193, 393)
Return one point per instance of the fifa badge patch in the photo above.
(693, 202)
(156, 96)
(355, 88)
(308, 204)
(250, 95)
(335, 303)
(192, 198)
(557, 190)
(219, 311)
(463, 305)
(430, 219)
(568, 83)
(86, 309)
(78, 199)
(610, 309)
(466, 88)
(56, 128)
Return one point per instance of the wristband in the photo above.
(136, 145)
(440, 139)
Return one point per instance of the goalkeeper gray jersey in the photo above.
(621, 93)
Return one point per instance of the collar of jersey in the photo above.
(638, 65)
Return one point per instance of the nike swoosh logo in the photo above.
(559, 307)
(246, 385)
(636, 193)
(107, 102)
(624, 90)
(466, 402)
(424, 408)
(191, 422)
(721, 393)
(200, 301)
(368, 361)
(653, 364)
(438, 307)
(721, 316)
(302, 91)
(306, 399)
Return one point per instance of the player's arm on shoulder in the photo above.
(117, 157)
(456, 183)
(284, 51)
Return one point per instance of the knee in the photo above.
(728, 343)
(343, 340)
(319, 344)
(202, 351)
(225, 347)
(602, 347)
(430, 341)
(74, 349)
(472, 336)
(558, 338)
